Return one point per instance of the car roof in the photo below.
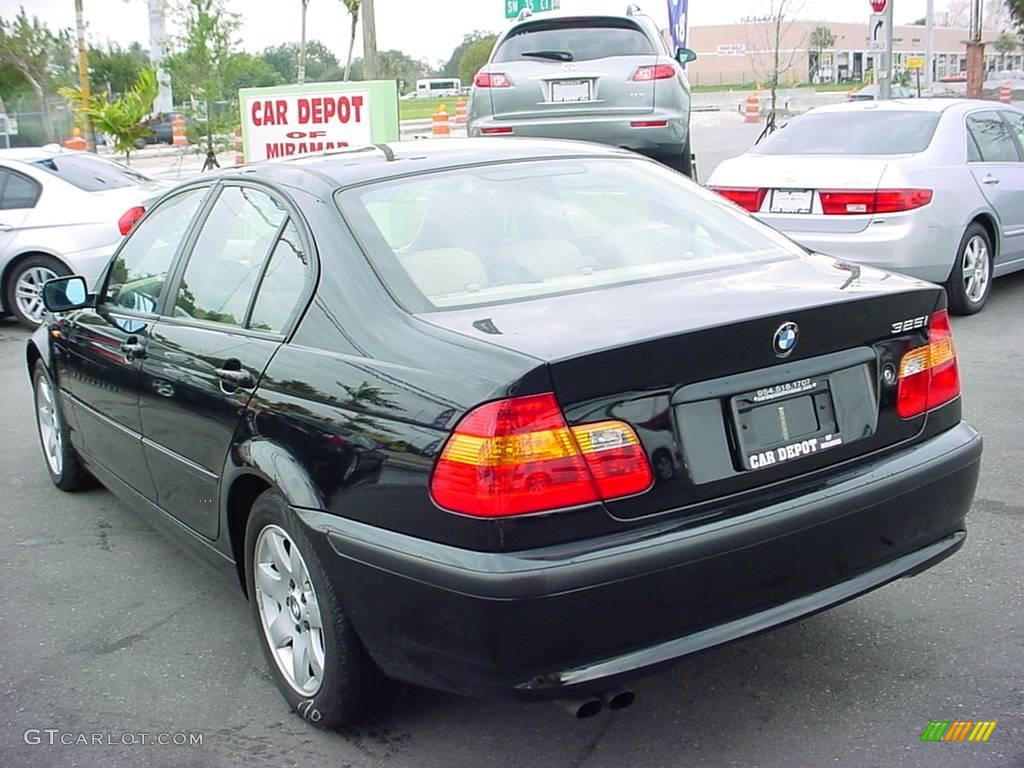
(27, 154)
(359, 165)
(917, 105)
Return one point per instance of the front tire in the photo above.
(970, 283)
(62, 461)
(318, 662)
(25, 287)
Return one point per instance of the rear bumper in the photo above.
(909, 244)
(568, 619)
(616, 130)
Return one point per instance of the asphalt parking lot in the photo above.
(109, 629)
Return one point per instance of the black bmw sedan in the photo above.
(504, 418)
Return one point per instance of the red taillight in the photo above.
(496, 131)
(929, 375)
(840, 202)
(655, 72)
(128, 219)
(748, 198)
(648, 124)
(517, 456)
(491, 80)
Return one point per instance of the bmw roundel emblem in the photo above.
(785, 339)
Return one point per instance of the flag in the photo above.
(677, 12)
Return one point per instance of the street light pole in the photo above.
(929, 44)
(83, 76)
(302, 45)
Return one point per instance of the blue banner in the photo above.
(677, 12)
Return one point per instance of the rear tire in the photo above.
(683, 162)
(970, 282)
(25, 284)
(285, 579)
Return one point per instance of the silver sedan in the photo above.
(932, 188)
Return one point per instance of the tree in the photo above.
(393, 65)
(321, 64)
(475, 57)
(43, 58)
(247, 71)
(1015, 9)
(123, 119)
(451, 69)
(996, 14)
(821, 37)
(352, 7)
(771, 59)
(114, 70)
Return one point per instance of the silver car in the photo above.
(609, 79)
(61, 213)
(932, 188)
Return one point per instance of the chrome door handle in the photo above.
(990, 180)
(133, 350)
(235, 378)
(5, 227)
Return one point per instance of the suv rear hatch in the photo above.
(693, 365)
(571, 67)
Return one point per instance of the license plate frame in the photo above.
(784, 422)
(562, 91)
(791, 201)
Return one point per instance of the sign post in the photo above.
(514, 7)
(880, 40)
(916, 64)
(289, 120)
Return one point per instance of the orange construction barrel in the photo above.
(752, 111)
(461, 111)
(178, 131)
(1005, 93)
(441, 127)
(76, 141)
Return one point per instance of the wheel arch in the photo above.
(988, 221)
(17, 259)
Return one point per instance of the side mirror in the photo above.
(64, 293)
(685, 55)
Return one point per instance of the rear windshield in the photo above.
(91, 173)
(882, 132)
(575, 40)
(515, 231)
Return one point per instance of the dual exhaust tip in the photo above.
(585, 707)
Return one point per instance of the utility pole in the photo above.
(83, 77)
(975, 54)
(164, 102)
(885, 69)
(302, 45)
(929, 45)
(369, 41)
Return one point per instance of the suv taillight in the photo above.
(517, 456)
(654, 72)
(748, 198)
(491, 80)
(929, 375)
(128, 219)
(840, 202)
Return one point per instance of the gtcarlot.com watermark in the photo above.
(55, 736)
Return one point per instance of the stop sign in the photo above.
(878, 5)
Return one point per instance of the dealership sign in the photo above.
(289, 120)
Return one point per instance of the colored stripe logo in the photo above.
(958, 730)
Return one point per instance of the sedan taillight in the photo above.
(845, 202)
(748, 198)
(128, 219)
(929, 375)
(517, 456)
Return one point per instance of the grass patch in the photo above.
(421, 109)
(822, 88)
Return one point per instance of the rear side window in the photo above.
(538, 228)
(993, 137)
(91, 173)
(228, 256)
(867, 132)
(140, 270)
(17, 191)
(575, 40)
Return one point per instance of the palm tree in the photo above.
(821, 38)
(352, 6)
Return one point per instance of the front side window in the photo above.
(140, 268)
(993, 137)
(228, 256)
(516, 231)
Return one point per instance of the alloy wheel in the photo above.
(289, 610)
(28, 292)
(49, 425)
(977, 268)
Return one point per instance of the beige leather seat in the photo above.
(545, 258)
(444, 271)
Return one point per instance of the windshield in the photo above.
(578, 40)
(870, 132)
(516, 231)
(91, 173)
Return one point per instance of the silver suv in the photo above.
(609, 79)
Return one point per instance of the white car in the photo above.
(931, 188)
(61, 213)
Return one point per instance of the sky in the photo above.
(425, 29)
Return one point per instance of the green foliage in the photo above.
(321, 64)
(1016, 8)
(821, 37)
(123, 119)
(393, 65)
(114, 70)
(1006, 43)
(475, 57)
(451, 69)
(33, 55)
(248, 71)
